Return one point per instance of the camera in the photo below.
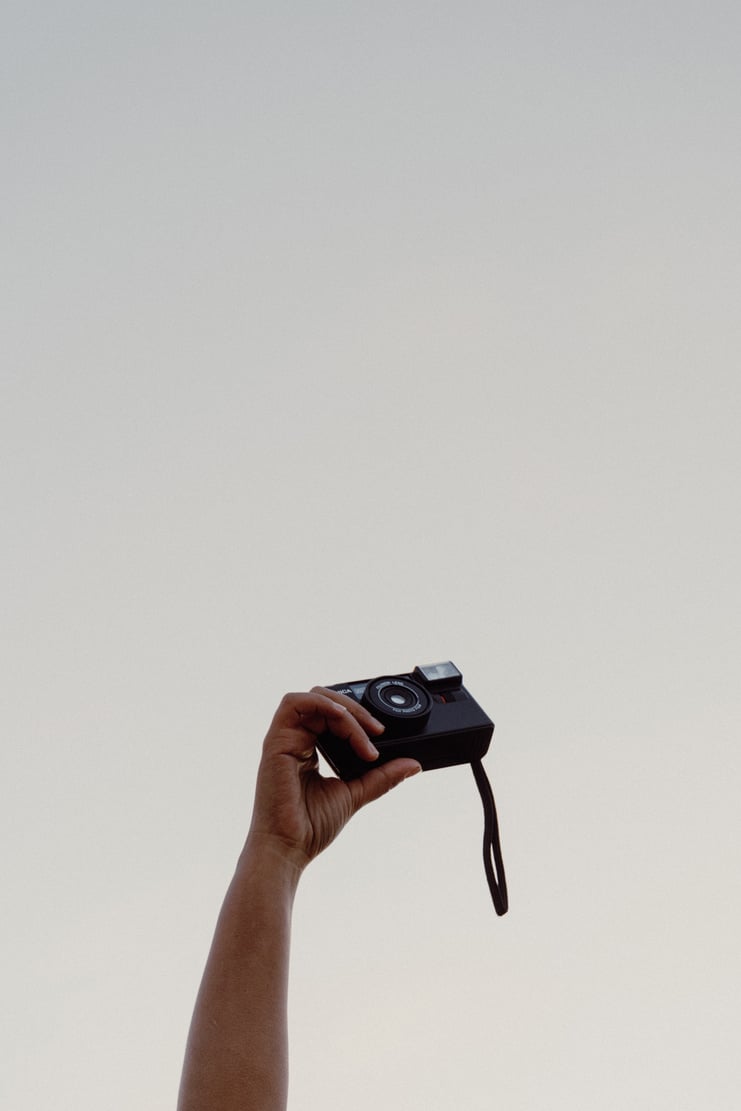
(430, 716)
(428, 713)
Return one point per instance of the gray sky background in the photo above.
(340, 338)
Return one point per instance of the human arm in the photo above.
(237, 1053)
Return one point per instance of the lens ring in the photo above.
(396, 700)
(398, 696)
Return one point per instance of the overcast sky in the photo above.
(339, 338)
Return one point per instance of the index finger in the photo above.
(306, 716)
(362, 720)
(366, 719)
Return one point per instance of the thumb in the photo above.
(379, 781)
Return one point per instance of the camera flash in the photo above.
(444, 674)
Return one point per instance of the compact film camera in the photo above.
(428, 713)
(430, 716)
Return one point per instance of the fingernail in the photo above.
(372, 749)
(378, 724)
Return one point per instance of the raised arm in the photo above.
(237, 1053)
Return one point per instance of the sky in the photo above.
(341, 338)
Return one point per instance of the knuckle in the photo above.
(387, 781)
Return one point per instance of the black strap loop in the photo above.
(492, 849)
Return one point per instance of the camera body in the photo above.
(428, 713)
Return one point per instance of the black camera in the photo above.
(430, 716)
(428, 713)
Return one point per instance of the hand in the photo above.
(298, 809)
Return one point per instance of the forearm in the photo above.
(237, 1053)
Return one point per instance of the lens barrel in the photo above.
(401, 704)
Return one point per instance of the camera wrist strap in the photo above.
(493, 863)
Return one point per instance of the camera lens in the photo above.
(399, 703)
(398, 697)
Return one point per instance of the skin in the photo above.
(236, 1058)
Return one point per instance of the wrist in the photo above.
(273, 859)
